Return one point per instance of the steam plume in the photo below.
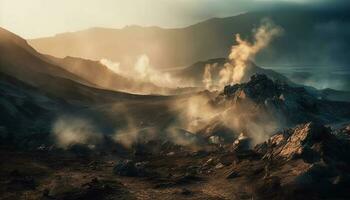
(69, 131)
(143, 71)
(207, 77)
(244, 51)
(115, 67)
(194, 113)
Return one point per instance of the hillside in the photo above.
(21, 60)
(35, 91)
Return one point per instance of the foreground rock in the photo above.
(308, 161)
(311, 142)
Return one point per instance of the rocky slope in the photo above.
(35, 90)
(261, 106)
(295, 103)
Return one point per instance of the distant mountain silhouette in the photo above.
(310, 36)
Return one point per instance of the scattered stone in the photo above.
(232, 175)
(130, 168)
(209, 162)
(93, 165)
(219, 166)
(170, 153)
(242, 143)
(215, 140)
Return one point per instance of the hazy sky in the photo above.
(38, 18)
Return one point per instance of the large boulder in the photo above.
(308, 161)
(308, 141)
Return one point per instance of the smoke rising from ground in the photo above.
(245, 117)
(143, 71)
(114, 66)
(193, 114)
(232, 72)
(200, 116)
(207, 76)
(242, 53)
(69, 131)
(133, 134)
(192, 118)
(239, 117)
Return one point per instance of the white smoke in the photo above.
(195, 112)
(114, 66)
(244, 51)
(208, 77)
(147, 73)
(143, 71)
(133, 133)
(200, 116)
(69, 131)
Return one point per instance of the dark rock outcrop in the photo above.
(311, 142)
(308, 159)
(291, 105)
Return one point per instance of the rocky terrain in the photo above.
(308, 160)
(295, 104)
(66, 136)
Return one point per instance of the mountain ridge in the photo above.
(126, 44)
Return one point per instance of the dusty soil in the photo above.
(43, 175)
